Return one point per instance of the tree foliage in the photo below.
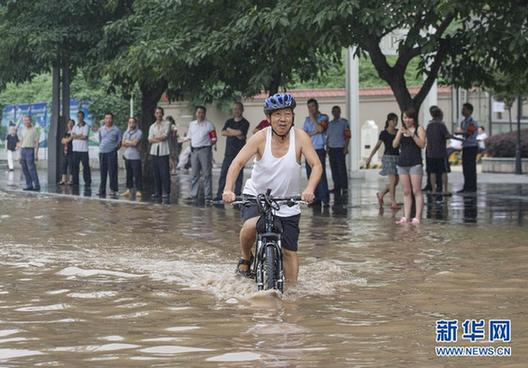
(38, 34)
(209, 50)
(495, 52)
(333, 75)
(444, 35)
(238, 47)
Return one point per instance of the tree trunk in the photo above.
(395, 76)
(511, 123)
(150, 96)
(275, 83)
(402, 95)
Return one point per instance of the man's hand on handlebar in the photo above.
(307, 197)
(228, 196)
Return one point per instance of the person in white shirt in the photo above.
(481, 138)
(79, 137)
(11, 146)
(202, 135)
(159, 153)
(29, 144)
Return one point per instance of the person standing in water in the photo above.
(410, 139)
(389, 160)
(278, 151)
(29, 144)
(132, 156)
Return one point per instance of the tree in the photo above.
(238, 49)
(507, 88)
(498, 62)
(121, 57)
(265, 48)
(441, 34)
(43, 35)
(495, 52)
(40, 34)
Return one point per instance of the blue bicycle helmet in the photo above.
(279, 101)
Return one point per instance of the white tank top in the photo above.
(282, 175)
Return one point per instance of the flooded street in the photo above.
(88, 283)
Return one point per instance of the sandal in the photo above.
(401, 221)
(247, 273)
(380, 199)
(416, 221)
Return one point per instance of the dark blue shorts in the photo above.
(290, 226)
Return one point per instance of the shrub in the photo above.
(504, 145)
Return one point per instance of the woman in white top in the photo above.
(159, 153)
(277, 166)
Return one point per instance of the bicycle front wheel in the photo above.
(270, 269)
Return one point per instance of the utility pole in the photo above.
(352, 83)
(131, 105)
(518, 159)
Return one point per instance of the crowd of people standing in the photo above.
(402, 158)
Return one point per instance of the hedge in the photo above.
(504, 145)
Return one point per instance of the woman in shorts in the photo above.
(411, 140)
(389, 159)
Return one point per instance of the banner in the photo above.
(41, 115)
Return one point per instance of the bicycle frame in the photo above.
(266, 239)
(268, 247)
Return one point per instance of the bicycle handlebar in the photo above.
(277, 199)
(289, 201)
(245, 200)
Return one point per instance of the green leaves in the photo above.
(210, 49)
(41, 33)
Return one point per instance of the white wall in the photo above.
(371, 108)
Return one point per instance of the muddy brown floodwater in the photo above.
(88, 283)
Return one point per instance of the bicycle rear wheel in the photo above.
(270, 268)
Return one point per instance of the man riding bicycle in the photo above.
(277, 166)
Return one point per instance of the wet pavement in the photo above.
(86, 282)
(500, 197)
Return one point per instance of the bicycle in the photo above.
(267, 266)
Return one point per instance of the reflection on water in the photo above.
(93, 283)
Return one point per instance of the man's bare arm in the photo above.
(313, 160)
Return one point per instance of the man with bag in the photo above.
(202, 135)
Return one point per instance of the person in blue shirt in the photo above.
(315, 126)
(469, 127)
(337, 138)
(109, 144)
